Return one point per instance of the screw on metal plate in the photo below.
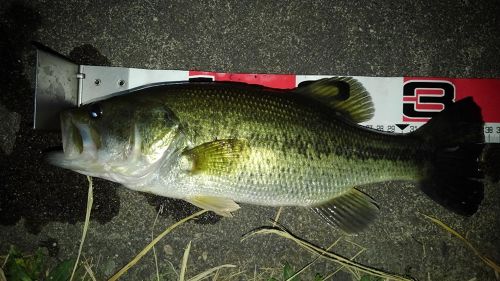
(102, 81)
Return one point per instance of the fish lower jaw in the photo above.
(128, 173)
(72, 160)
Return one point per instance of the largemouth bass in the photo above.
(215, 144)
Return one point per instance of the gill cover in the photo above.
(122, 139)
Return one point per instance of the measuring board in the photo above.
(402, 104)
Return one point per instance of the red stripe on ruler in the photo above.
(485, 92)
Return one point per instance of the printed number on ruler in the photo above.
(492, 132)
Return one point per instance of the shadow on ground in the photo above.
(61, 196)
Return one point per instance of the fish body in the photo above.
(298, 154)
(214, 144)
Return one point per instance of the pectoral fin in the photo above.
(218, 205)
(216, 157)
(351, 211)
(344, 94)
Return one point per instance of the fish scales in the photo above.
(301, 154)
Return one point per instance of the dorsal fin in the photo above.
(344, 94)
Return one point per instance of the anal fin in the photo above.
(352, 211)
(219, 205)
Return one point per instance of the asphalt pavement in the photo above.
(44, 206)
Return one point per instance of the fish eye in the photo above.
(95, 111)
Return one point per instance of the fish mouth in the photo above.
(80, 144)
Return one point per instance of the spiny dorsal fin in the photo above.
(351, 211)
(325, 89)
(219, 156)
(344, 94)
(218, 205)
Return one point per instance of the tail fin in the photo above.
(490, 163)
(452, 178)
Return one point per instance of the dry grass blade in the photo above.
(90, 201)
(302, 269)
(5, 260)
(233, 275)
(89, 271)
(184, 262)
(313, 261)
(2, 275)
(152, 237)
(277, 217)
(341, 267)
(216, 275)
(173, 268)
(150, 245)
(485, 259)
(207, 273)
(202, 275)
(327, 255)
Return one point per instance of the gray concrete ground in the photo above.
(44, 206)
